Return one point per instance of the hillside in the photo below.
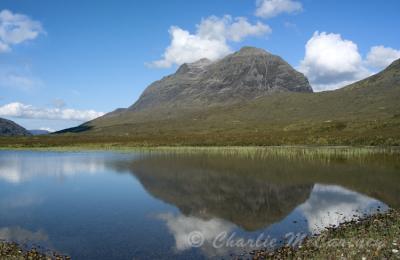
(366, 112)
(9, 128)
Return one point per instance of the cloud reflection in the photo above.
(21, 235)
(16, 168)
(330, 205)
(327, 205)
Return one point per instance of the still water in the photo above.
(99, 205)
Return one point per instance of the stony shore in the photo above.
(376, 237)
(13, 251)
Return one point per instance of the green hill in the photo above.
(366, 112)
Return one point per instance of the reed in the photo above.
(325, 153)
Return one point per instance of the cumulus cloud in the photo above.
(380, 56)
(271, 8)
(209, 41)
(20, 110)
(17, 28)
(331, 61)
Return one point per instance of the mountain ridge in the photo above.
(10, 128)
(244, 75)
(365, 112)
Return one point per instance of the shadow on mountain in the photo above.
(78, 129)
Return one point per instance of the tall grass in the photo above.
(288, 152)
(325, 153)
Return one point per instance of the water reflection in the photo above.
(247, 197)
(24, 166)
(140, 205)
(20, 200)
(327, 206)
(21, 235)
(183, 226)
(201, 187)
(330, 205)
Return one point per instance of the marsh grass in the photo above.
(319, 153)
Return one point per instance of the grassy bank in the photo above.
(259, 152)
(376, 237)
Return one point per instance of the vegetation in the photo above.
(364, 113)
(260, 152)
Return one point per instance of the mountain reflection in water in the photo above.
(216, 194)
(147, 205)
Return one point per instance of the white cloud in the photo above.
(17, 28)
(48, 129)
(380, 56)
(4, 47)
(210, 40)
(271, 8)
(331, 61)
(20, 110)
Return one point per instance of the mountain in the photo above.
(39, 132)
(259, 100)
(245, 75)
(9, 128)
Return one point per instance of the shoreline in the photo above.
(12, 250)
(373, 237)
(302, 153)
(118, 147)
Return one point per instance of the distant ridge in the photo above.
(39, 132)
(9, 128)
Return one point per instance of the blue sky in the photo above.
(67, 61)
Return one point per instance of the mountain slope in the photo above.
(241, 76)
(366, 112)
(9, 128)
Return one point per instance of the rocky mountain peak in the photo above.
(247, 50)
(241, 76)
(194, 68)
